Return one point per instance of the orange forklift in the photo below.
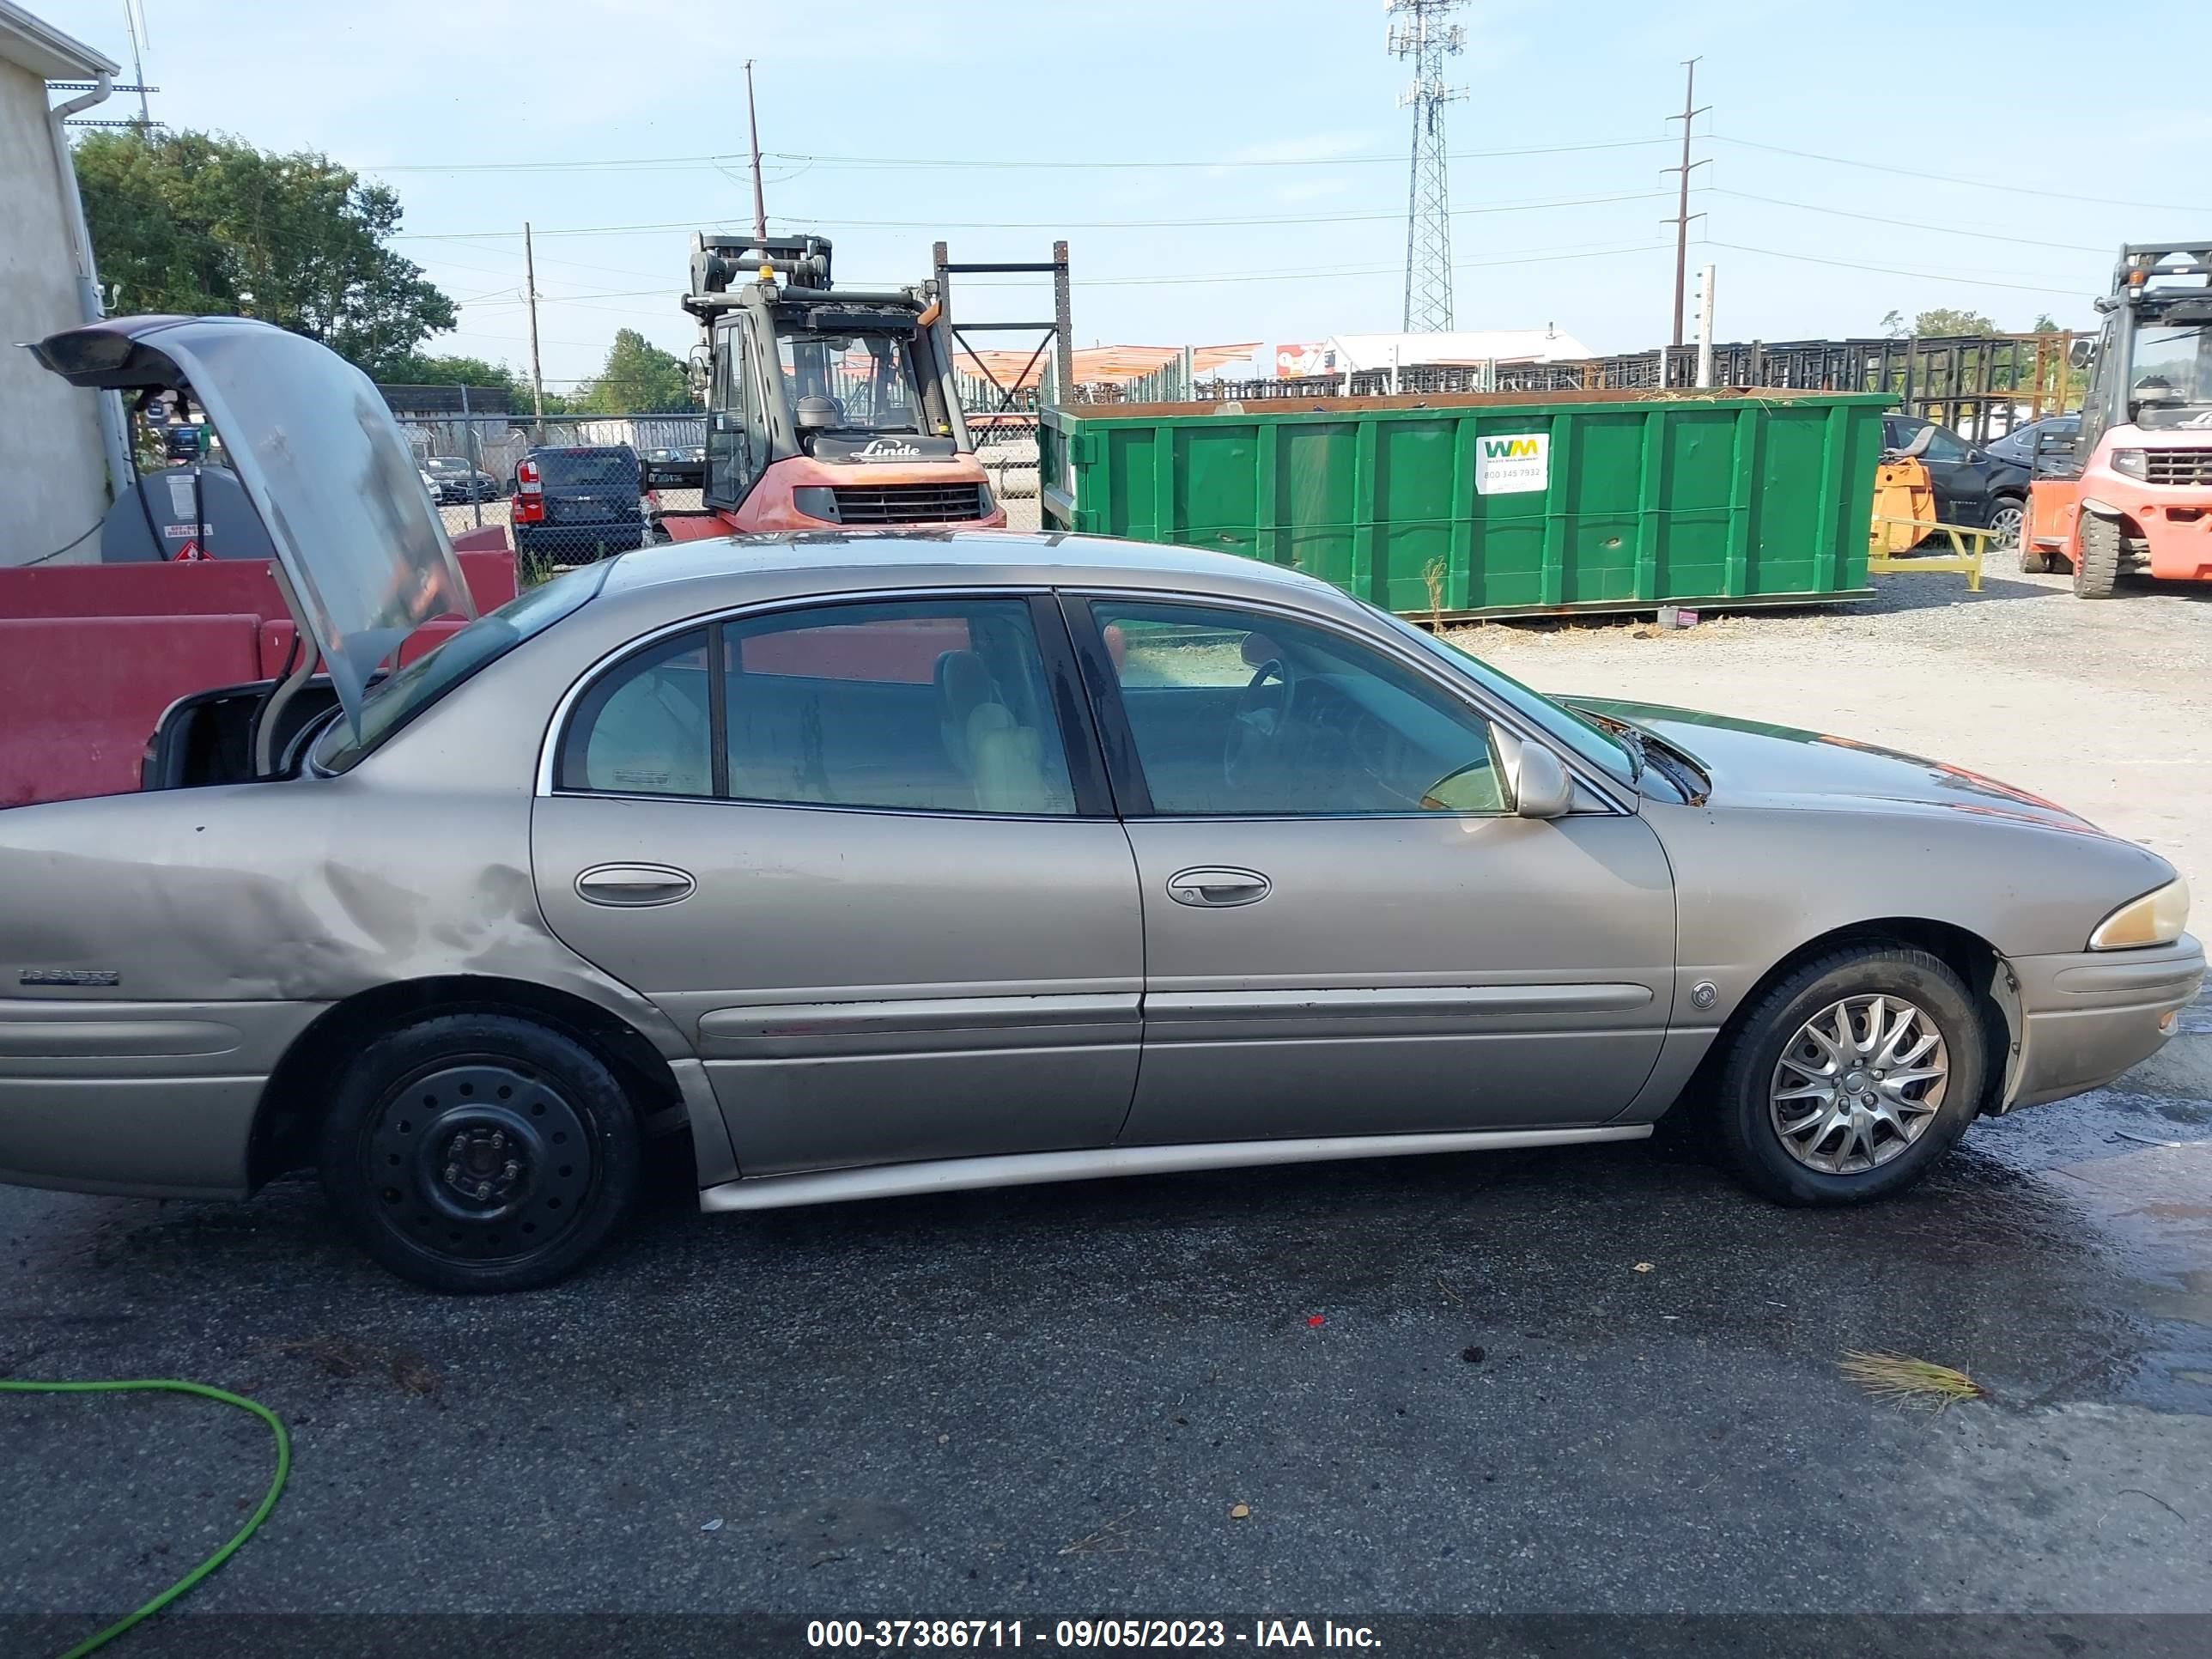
(826, 407)
(2132, 493)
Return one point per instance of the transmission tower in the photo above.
(1420, 30)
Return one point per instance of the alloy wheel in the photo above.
(1859, 1083)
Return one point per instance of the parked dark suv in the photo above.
(1973, 487)
(575, 503)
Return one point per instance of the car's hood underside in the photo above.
(1754, 764)
(320, 458)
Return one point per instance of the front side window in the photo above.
(1233, 713)
(927, 705)
(1941, 446)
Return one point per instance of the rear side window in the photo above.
(928, 705)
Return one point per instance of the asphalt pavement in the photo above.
(1597, 1381)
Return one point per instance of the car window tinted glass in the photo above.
(398, 698)
(586, 469)
(923, 705)
(1598, 747)
(1943, 445)
(1235, 712)
(919, 706)
(645, 727)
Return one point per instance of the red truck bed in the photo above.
(91, 654)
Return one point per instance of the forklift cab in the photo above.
(798, 372)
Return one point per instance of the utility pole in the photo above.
(134, 19)
(537, 379)
(1705, 327)
(1417, 30)
(1682, 214)
(752, 122)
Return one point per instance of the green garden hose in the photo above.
(166, 1385)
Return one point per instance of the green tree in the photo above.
(1943, 321)
(195, 221)
(416, 370)
(638, 378)
(2043, 325)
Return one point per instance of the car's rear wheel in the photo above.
(1852, 1076)
(480, 1152)
(2097, 567)
(2006, 519)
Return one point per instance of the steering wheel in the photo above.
(1263, 717)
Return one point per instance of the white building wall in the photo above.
(53, 479)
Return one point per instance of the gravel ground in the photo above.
(2103, 706)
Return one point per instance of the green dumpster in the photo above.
(1484, 504)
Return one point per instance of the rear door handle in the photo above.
(1214, 888)
(634, 885)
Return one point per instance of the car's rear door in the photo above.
(1347, 931)
(889, 903)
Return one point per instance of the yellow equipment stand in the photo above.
(1905, 518)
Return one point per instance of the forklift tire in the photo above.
(2097, 566)
(2035, 564)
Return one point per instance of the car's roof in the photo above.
(980, 555)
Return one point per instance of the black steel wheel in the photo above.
(480, 1152)
(1852, 1076)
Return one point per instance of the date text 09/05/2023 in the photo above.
(1085, 1633)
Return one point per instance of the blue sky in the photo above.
(890, 126)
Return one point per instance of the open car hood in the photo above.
(320, 458)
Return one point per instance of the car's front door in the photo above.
(854, 853)
(1960, 475)
(1347, 929)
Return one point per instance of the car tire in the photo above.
(2007, 517)
(1788, 1156)
(480, 1152)
(2035, 564)
(2097, 566)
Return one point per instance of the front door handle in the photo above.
(1217, 888)
(634, 885)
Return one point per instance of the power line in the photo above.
(1197, 223)
(1891, 271)
(716, 161)
(1907, 224)
(1946, 179)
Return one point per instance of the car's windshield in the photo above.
(445, 463)
(869, 377)
(1600, 748)
(2171, 367)
(399, 698)
(586, 469)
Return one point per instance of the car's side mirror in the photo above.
(1541, 788)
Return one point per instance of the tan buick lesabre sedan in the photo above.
(894, 864)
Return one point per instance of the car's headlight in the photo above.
(2156, 918)
(2130, 464)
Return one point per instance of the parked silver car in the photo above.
(894, 864)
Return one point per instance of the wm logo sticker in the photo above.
(1512, 463)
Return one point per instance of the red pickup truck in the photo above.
(94, 657)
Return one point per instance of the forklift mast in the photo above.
(824, 403)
